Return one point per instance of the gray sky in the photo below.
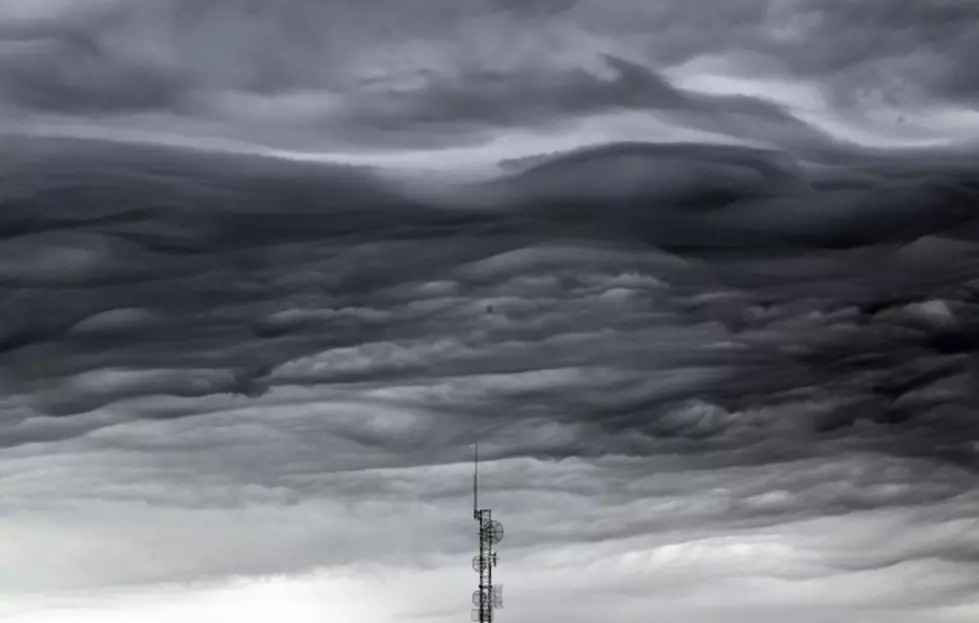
(711, 307)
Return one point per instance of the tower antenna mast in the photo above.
(488, 597)
(476, 480)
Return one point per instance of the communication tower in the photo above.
(488, 597)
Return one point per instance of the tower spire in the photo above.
(476, 480)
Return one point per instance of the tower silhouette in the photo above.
(487, 598)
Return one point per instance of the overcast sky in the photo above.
(707, 294)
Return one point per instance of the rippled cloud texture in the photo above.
(702, 280)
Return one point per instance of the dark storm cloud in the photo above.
(218, 278)
(930, 40)
(76, 76)
(443, 73)
(538, 97)
(64, 59)
(862, 51)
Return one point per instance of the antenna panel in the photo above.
(497, 592)
(493, 531)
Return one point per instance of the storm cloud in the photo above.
(703, 283)
(315, 76)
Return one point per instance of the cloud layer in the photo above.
(712, 310)
(349, 74)
(734, 386)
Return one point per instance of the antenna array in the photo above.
(487, 598)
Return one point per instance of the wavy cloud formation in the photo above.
(300, 75)
(711, 306)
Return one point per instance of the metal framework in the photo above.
(487, 598)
